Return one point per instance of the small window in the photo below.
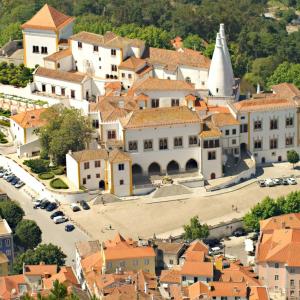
(43, 87)
(133, 146)
(121, 182)
(58, 65)
(121, 167)
(273, 144)
(163, 144)
(289, 141)
(146, 261)
(276, 277)
(257, 125)
(171, 262)
(63, 91)
(111, 134)
(114, 68)
(113, 52)
(97, 175)
(154, 103)
(233, 142)
(276, 265)
(86, 165)
(258, 144)
(193, 140)
(243, 128)
(44, 50)
(97, 164)
(211, 155)
(129, 76)
(79, 45)
(174, 102)
(96, 48)
(227, 132)
(53, 89)
(35, 49)
(273, 124)
(123, 75)
(233, 131)
(148, 145)
(178, 142)
(72, 94)
(89, 177)
(289, 122)
(84, 180)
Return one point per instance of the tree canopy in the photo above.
(47, 253)
(293, 157)
(28, 234)
(11, 212)
(66, 129)
(269, 207)
(195, 230)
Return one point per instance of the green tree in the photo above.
(194, 41)
(293, 157)
(28, 233)
(291, 203)
(66, 129)
(195, 230)
(47, 253)
(58, 292)
(11, 212)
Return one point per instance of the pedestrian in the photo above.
(110, 227)
(232, 206)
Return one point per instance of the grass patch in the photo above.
(57, 183)
(5, 123)
(46, 176)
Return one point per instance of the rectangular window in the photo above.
(257, 144)
(233, 142)
(86, 165)
(211, 155)
(227, 132)
(123, 75)
(273, 124)
(171, 262)
(292, 282)
(148, 145)
(53, 89)
(72, 94)
(89, 177)
(96, 48)
(63, 91)
(178, 142)
(289, 122)
(44, 50)
(276, 277)
(273, 143)
(129, 76)
(7, 242)
(174, 102)
(121, 182)
(193, 140)
(276, 265)
(111, 134)
(154, 103)
(113, 52)
(114, 68)
(289, 141)
(233, 131)
(133, 146)
(95, 123)
(97, 164)
(79, 45)
(97, 175)
(163, 144)
(146, 261)
(257, 125)
(43, 87)
(84, 180)
(35, 49)
(243, 128)
(121, 167)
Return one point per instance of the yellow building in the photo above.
(4, 264)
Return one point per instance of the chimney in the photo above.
(70, 152)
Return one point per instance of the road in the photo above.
(51, 233)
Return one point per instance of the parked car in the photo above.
(15, 181)
(7, 174)
(69, 227)
(19, 184)
(51, 206)
(211, 242)
(84, 205)
(44, 204)
(239, 232)
(75, 207)
(56, 214)
(269, 182)
(292, 181)
(60, 219)
(261, 183)
(2, 173)
(285, 181)
(277, 181)
(215, 251)
(10, 178)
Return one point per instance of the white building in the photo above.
(23, 128)
(43, 33)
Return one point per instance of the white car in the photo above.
(269, 182)
(60, 219)
(292, 181)
(215, 251)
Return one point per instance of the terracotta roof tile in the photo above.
(286, 90)
(30, 118)
(87, 155)
(59, 55)
(182, 57)
(163, 116)
(264, 104)
(227, 289)
(197, 290)
(86, 248)
(170, 276)
(224, 119)
(48, 18)
(117, 156)
(194, 268)
(198, 246)
(167, 247)
(40, 269)
(258, 293)
(288, 220)
(132, 63)
(11, 283)
(60, 75)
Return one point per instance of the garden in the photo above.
(42, 168)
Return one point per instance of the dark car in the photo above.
(56, 214)
(15, 181)
(69, 227)
(51, 206)
(84, 205)
(44, 204)
(211, 242)
(285, 181)
(239, 232)
(10, 178)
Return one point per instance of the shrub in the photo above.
(37, 165)
(58, 170)
(46, 176)
(57, 183)
(4, 123)
(5, 112)
(3, 141)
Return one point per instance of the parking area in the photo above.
(271, 182)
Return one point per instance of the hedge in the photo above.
(37, 165)
(46, 176)
(58, 170)
(57, 183)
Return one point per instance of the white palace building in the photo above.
(155, 111)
